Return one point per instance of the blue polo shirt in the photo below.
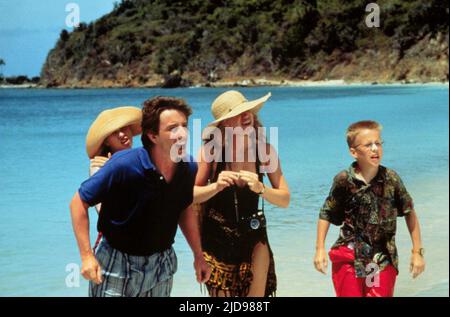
(140, 210)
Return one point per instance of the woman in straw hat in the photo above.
(234, 235)
(112, 131)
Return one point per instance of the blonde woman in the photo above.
(233, 230)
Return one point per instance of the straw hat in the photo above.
(109, 121)
(232, 103)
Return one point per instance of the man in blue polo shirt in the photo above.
(145, 193)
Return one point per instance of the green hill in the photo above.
(143, 43)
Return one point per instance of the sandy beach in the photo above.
(19, 86)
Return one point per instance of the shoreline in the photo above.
(246, 83)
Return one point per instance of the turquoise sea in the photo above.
(43, 161)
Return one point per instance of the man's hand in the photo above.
(202, 269)
(91, 270)
(321, 260)
(417, 265)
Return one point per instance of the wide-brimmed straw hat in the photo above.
(109, 121)
(232, 103)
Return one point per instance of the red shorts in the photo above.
(346, 284)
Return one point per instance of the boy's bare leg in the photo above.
(260, 269)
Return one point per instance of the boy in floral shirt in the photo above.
(365, 201)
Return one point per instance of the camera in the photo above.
(253, 222)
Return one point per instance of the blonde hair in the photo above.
(355, 128)
(256, 124)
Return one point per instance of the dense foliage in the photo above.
(210, 37)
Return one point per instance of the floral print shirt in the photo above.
(367, 214)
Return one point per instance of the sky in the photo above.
(29, 29)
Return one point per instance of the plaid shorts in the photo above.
(133, 276)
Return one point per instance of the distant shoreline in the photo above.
(23, 86)
(246, 83)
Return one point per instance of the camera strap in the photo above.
(260, 196)
(236, 206)
(260, 178)
(236, 203)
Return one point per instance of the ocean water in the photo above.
(43, 161)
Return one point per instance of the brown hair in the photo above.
(355, 128)
(151, 112)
